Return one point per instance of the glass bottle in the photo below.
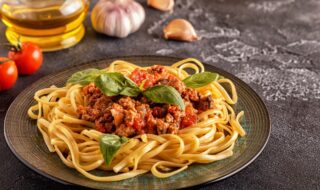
(52, 24)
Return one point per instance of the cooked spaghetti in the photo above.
(163, 137)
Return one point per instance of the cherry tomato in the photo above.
(27, 56)
(8, 73)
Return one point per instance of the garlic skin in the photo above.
(162, 5)
(180, 29)
(117, 18)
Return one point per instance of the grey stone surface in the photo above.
(273, 45)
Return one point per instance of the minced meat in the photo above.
(127, 116)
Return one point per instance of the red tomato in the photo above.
(8, 73)
(138, 123)
(141, 76)
(28, 57)
(149, 81)
(138, 76)
(190, 118)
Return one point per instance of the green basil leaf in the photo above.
(112, 84)
(130, 88)
(85, 77)
(164, 94)
(130, 91)
(129, 82)
(220, 77)
(200, 79)
(109, 146)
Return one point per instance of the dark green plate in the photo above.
(27, 144)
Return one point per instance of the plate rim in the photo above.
(42, 173)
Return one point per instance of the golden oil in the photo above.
(53, 25)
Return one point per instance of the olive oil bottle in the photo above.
(52, 24)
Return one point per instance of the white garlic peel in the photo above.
(162, 5)
(180, 29)
(117, 18)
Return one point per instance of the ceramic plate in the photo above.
(27, 144)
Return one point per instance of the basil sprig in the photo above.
(112, 84)
(85, 77)
(164, 94)
(200, 79)
(109, 146)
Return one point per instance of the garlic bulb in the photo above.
(180, 29)
(117, 17)
(162, 5)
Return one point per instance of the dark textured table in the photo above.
(274, 46)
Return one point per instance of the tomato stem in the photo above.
(19, 44)
(14, 48)
(4, 61)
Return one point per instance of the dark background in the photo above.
(274, 46)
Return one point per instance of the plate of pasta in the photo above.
(140, 122)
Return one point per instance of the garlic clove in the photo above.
(180, 29)
(163, 5)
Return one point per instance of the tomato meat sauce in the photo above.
(128, 116)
